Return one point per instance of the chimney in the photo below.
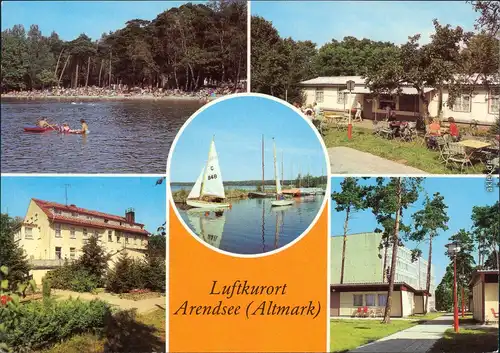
(130, 215)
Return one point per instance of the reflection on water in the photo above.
(252, 226)
(126, 136)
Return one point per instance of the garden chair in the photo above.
(358, 312)
(444, 149)
(458, 156)
(495, 313)
(365, 311)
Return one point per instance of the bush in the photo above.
(71, 277)
(132, 274)
(37, 324)
(46, 288)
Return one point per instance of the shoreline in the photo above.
(114, 98)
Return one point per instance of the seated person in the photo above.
(42, 122)
(65, 128)
(435, 128)
(390, 115)
(454, 132)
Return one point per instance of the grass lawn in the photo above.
(477, 340)
(125, 333)
(428, 316)
(349, 334)
(413, 154)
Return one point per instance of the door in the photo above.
(368, 107)
(335, 304)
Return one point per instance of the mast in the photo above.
(275, 171)
(282, 169)
(263, 180)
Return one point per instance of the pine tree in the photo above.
(11, 255)
(94, 258)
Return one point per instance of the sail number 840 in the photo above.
(212, 176)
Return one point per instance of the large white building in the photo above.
(331, 94)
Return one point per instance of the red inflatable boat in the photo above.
(34, 128)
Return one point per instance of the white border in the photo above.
(325, 153)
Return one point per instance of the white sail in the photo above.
(196, 190)
(212, 180)
(212, 229)
(278, 184)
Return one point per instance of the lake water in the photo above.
(252, 226)
(132, 136)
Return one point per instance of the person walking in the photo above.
(359, 110)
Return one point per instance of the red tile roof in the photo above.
(47, 206)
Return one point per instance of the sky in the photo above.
(460, 195)
(238, 125)
(105, 194)
(320, 21)
(72, 18)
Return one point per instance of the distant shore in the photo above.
(119, 97)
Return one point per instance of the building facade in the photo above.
(484, 291)
(330, 94)
(52, 233)
(366, 268)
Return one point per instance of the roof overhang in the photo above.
(376, 287)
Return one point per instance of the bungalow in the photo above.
(349, 299)
(484, 289)
(330, 94)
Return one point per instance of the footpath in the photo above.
(416, 339)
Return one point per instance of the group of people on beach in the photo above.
(43, 123)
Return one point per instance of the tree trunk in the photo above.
(109, 69)
(76, 74)
(88, 72)
(187, 80)
(428, 279)
(58, 60)
(62, 72)
(384, 274)
(100, 72)
(175, 77)
(424, 105)
(346, 222)
(395, 245)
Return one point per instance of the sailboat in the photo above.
(209, 184)
(280, 201)
(261, 194)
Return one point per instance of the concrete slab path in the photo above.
(142, 306)
(345, 160)
(416, 339)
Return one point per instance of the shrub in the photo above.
(127, 274)
(36, 324)
(94, 258)
(72, 277)
(46, 288)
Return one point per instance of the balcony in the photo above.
(48, 263)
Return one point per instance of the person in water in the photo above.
(65, 128)
(85, 128)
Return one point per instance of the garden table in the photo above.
(475, 144)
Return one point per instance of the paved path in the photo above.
(345, 160)
(142, 306)
(416, 339)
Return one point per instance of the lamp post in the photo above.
(350, 86)
(453, 249)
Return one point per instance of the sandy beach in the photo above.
(117, 97)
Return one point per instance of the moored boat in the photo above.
(280, 200)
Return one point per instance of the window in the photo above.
(58, 230)
(382, 299)
(72, 233)
(370, 299)
(74, 214)
(386, 100)
(85, 233)
(341, 97)
(135, 240)
(117, 237)
(110, 235)
(357, 299)
(58, 253)
(408, 103)
(105, 221)
(126, 240)
(494, 102)
(28, 233)
(72, 252)
(89, 218)
(462, 103)
(319, 95)
(56, 211)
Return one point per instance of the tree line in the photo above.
(181, 48)
(389, 199)
(453, 58)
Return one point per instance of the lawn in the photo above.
(414, 154)
(124, 333)
(428, 316)
(477, 340)
(349, 334)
